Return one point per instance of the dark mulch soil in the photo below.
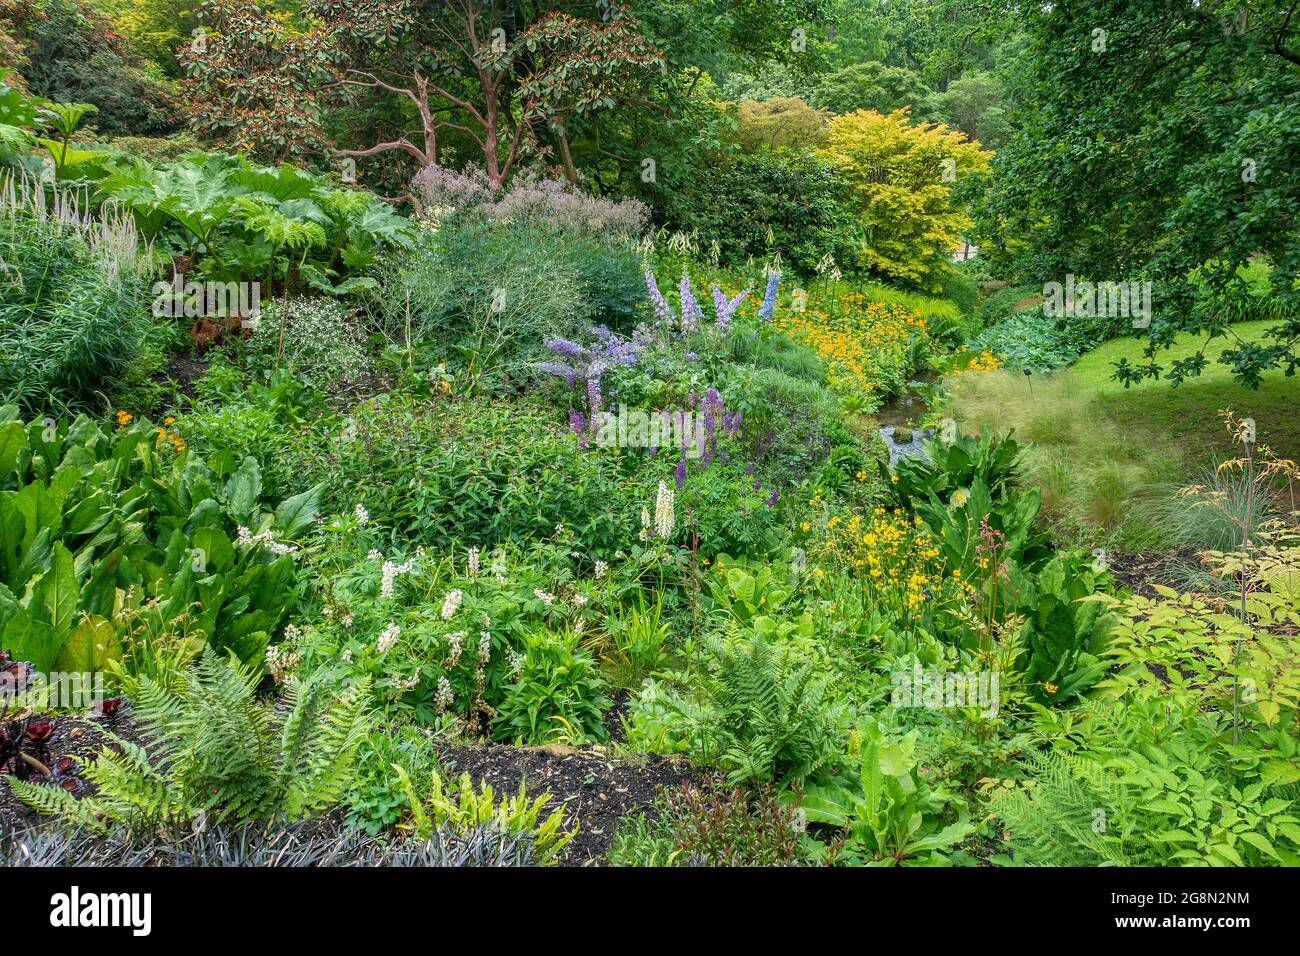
(73, 736)
(1140, 570)
(183, 370)
(614, 716)
(596, 790)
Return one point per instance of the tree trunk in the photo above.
(566, 157)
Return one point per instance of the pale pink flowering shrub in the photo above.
(439, 191)
(442, 192)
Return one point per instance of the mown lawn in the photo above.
(1189, 413)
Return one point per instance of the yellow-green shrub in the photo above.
(898, 174)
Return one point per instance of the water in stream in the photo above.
(902, 414)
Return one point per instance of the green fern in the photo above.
(771, 718)
(1077, 814)
(216, 749)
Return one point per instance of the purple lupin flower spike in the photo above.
(558, 368)
(690, 308)
(565, 347)
(679, 474)
(579, 426)
(768, 307)
(663, 311)
(774, 498)
(719, 303)
(724, 309)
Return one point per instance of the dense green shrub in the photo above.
(1010, 300)
(730, 510)
(871, 86)
(316, 338)
(479, 473)
(754, 709)
(953, 465)
(890, 813)
(1029, 340)
(783, 123)
(440, 638)
(281, 421)
(73, 54)
(557, 694)
(156, 149)
(375, 798)
(768, 203)
(609, 275)
(233, 220)
(1032, 340)
(1065, 636)
(491, 294)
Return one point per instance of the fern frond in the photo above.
(55, 801)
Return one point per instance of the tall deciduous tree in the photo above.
(503, 73)
(1157, 139)
(253, 81)
(902, 177)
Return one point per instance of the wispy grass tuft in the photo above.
(1209, 513)
(1089, 467)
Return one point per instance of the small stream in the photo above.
(899, 417)
(912, 448)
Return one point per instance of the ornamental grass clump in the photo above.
(71, 323)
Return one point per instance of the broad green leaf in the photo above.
(242, 491)
(54, 597)
(92, 644)
(296, 514)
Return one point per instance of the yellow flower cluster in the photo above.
(897, 556)
(864, 344)
(984, 361)
(170, 437)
